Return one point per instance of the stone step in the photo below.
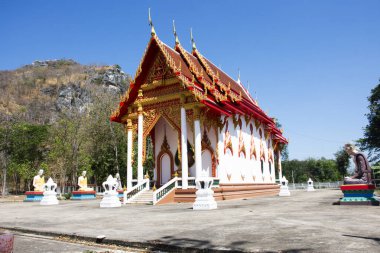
(144, 198)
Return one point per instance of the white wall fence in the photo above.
(317, 185)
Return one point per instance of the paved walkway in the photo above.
(304, 222)
(36, 244)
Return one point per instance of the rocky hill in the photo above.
(39, 92)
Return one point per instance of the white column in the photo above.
(198, 144)
(140, 171)
(279, 164)
(185, 170)
(129, 155)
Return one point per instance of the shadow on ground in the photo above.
(375, 239)
(174, 244)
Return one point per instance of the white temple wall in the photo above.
(235, 168)
(232, 168)
(172, 138)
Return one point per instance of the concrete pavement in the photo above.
(31, 243)
(303, 222)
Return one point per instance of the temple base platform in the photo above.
(224, 192)
(83, 195)
(358, 194)
(32, 196)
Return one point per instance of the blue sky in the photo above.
(311, 64)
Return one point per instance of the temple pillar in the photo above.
(129, 154)
(184, 160)
(279, 164)
(140, 172)
(198, 143)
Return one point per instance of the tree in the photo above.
(284, 149)
(65, 146)
(5, 131)
(105, 142)
(23, 151)
(371, 140)
(319, 170)
(342, 160)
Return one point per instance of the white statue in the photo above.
(50, 196)
(38, 181)
(118, 180)
(310, 186)
(284, 189)
(82, 182)
(205, 195)
(110, 198)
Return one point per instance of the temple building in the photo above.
(201, 122)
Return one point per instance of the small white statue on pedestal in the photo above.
(110, 198)
(310, 186)
(205, 196)
(50, 196)
(284, 189)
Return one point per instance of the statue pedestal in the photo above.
(358, 194)
(32, 196)
(284, 189)
(205, 196)
(110, 199)
(49, 198)
(205, 200)
(83, 195)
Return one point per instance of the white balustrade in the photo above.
(133, 192)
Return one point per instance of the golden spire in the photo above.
(152, 31)
(175, 34)
(192, 39)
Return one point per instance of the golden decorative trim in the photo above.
(241, 147)
(159, 83)
(257, 123)
(247, 119)
(235, 120)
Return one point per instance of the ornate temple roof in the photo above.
(209, 84)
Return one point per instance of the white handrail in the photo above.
(176, 180)
(156, 192)
(125, 194)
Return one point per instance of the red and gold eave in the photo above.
(210, 85)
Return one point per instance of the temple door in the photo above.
(165, 169)
(207, 162)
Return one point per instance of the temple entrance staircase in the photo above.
(145, 197)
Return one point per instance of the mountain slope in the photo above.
(39, 92)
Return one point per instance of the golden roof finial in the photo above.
(238, 80)
(175, 34)
(152, 31)
(192, 39)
